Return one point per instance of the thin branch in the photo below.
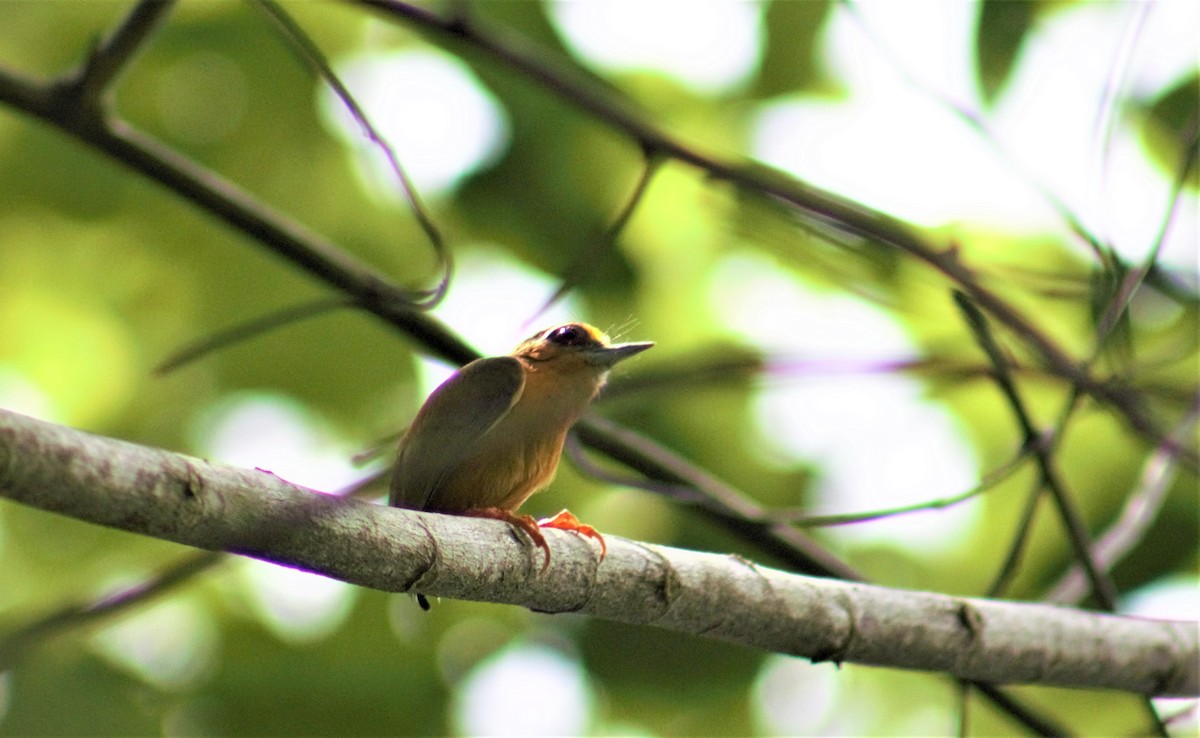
(718, 500)
(16, 644)
(1016, 548)
(989, 480)
(1142, 506)
(369, 288)
(1131, 526)
(689, 495)
(721, 364)
(1077, 532)
(1015, 709)
(825, 208)
(250, 512)
(91, 80)
(312, 56)
(243, 331)
(240, 210)
(583, 261)
(1134, 278)
(1116, 84)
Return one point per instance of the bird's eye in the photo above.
(568, 335)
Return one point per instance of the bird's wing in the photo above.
(451, 424)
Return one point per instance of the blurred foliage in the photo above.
(1173, 124)
(790, 61)
(1002, 27)
(103, 274)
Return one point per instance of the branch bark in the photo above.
(252, 512)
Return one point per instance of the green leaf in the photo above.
(1170, 126)
(790, 55)
(999, 35)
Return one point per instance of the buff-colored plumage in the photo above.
(492, 434)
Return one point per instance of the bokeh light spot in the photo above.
(794, 697)
(1169, 598)
(465, 643)
(275, 433)
(707, 45)
(441, 121)
(839, 417)
(295, 605)
(20, 395)
(495, 303)
(524, 690)
(172, 644)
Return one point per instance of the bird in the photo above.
(492, 434)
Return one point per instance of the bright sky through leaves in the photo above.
(429, 107)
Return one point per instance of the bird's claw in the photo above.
(565, 520)
(525, 523)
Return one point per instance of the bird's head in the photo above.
(576, 346)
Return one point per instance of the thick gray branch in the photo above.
(252, 512)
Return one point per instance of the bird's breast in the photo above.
(520, 455)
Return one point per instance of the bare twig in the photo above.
(372, 290)
(1077, 531)
(312, 56)
(1140, 511)
(1134, 278)
(990, 480)
(238, 333)
(723, 503)
(585, 258)
(92, 80)
(16, 644)
(823, 207)
(1016, 547)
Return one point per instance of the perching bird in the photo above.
(491, 435)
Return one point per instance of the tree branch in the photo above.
(253, 512)
(109, 58)
(1076, 527)
(371, 289)
(14, 644)
(726, 505)
(368, 288)
(827, 208)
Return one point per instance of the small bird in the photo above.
(492, 434)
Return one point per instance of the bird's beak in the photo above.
(609, 355)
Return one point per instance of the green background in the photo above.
(103, 274)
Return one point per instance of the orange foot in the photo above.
(566, 521)
(525, 523)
